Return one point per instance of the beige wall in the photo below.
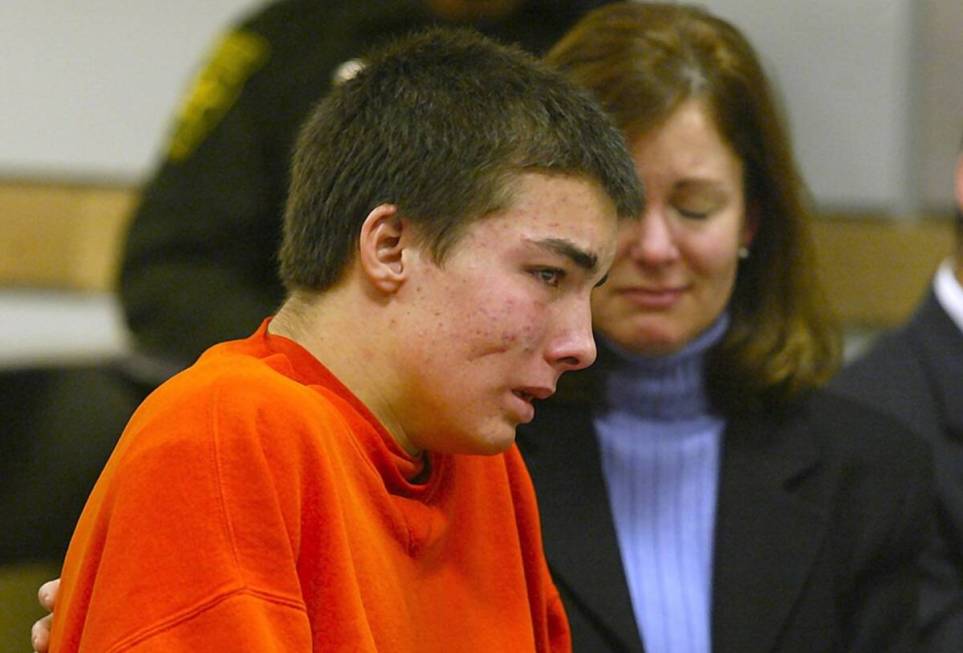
(939, 116)
(872, 87)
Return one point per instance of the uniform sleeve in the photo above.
(201, 246)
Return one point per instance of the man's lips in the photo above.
(530, 393)
(526, 397)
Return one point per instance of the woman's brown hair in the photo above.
(642, 61)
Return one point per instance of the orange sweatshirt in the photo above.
(254, 504)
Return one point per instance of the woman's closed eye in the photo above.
(693, 213)
(698, 203)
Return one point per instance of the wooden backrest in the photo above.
(65, 236)
(876, 269)
(70, 236)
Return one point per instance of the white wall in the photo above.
(843, 67)
(88, 85)
(939, 121)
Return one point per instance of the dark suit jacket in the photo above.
(821, 515)
(916, 374)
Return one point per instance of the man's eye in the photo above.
(549, 276)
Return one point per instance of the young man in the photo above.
(315, 486)
(220, 182)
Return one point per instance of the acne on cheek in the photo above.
(507, 315)
(509, 339)
(497, 331)
(524, 329)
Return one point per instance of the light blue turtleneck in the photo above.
(660, 444)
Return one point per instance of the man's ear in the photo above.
(381, 247)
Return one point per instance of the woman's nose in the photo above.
(653, 241)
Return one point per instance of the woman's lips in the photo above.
(653, 297)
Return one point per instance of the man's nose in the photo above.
(574, 346)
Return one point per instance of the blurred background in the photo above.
(873, 90)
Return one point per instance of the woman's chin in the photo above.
(650, 342)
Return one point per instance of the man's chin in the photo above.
(494, 442)
(495, 437)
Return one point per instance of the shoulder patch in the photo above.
(234, 59)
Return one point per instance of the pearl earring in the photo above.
(743, 253)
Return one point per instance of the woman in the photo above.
(698, 492)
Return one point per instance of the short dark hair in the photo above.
(440, 124)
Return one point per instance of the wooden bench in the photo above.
(68, 236)
(876, 269)
(62, 236)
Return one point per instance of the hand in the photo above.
(40, 633)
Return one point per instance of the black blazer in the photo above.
(820, 518)
(916, 375)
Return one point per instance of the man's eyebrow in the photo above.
(585, 260)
